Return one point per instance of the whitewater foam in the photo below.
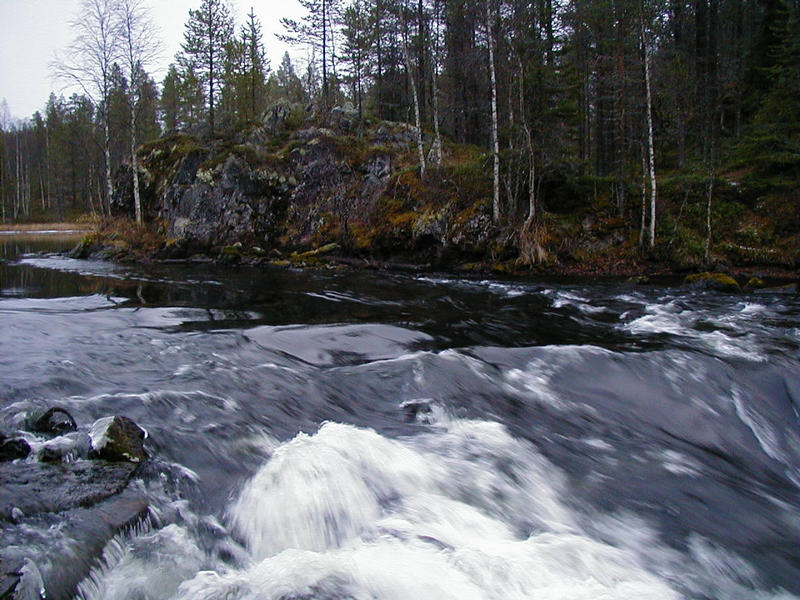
(470, 512)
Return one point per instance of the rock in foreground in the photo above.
(117, 439)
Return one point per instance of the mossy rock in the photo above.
(117, 439)
(754, 283)
(638, 280)
(232, 251)
(719, 282)
(316, 253)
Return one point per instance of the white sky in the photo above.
(31, 31)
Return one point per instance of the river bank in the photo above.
(122, 241)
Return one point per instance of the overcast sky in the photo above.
(31, 31)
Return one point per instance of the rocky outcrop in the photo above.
(281, 189)
(299, 180)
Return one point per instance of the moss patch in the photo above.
(712, 281)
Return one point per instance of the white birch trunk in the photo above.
(137, 202)
(529, 144)
(650, 150)
(495, 141)
(420, 139)
(107, 155)
(708, 212)
(642, 227)
(436, 149)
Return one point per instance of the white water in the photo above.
(465, 512)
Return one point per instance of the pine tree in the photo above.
(356, 32)
(208, 31)
(315, 29)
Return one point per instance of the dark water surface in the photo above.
(369, 435)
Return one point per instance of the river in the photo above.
(365, 435)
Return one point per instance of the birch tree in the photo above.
(414, 93)
(650, 145)
(88, 63)
(495, 137)
(140, 47)
(436, 148)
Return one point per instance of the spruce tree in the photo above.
(255, 66)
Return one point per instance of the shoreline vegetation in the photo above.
(335, 190)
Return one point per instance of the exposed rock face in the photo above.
(307, 193)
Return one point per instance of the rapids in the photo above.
(338, 435)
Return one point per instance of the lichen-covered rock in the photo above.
(719, 282)
(56, 421)
(117, 439)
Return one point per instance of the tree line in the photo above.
(567, 96)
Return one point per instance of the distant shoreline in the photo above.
(44, 228)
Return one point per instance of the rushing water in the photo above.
(364, 435)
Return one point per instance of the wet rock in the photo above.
(417, 410)
(117, 439)
(65, 448)
(47, 555)
(36, 488)
(13, 449)
(719, 282)
(56, 421)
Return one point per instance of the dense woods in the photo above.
(656, 108)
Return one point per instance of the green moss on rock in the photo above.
(720, 282)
